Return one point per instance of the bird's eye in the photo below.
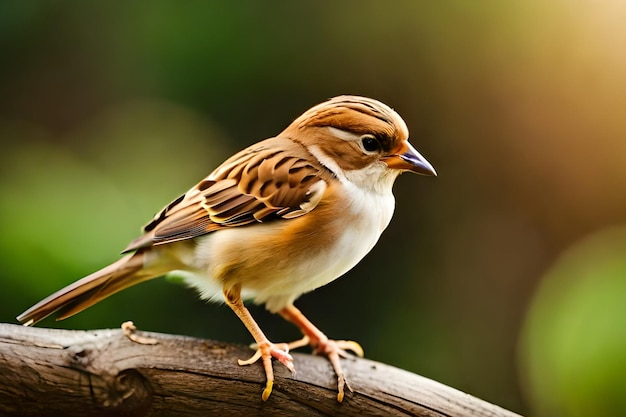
(370, 143)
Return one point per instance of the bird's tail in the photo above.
(87, 291)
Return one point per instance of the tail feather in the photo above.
(87, 291)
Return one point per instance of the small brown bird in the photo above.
(276, 220)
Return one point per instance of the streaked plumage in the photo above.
(278, 219)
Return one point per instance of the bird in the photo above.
(278, 219)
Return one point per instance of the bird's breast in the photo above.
(277, 261)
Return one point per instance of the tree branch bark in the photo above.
(47, 372)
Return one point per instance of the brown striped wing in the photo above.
(274, 179)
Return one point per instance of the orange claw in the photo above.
(268, 390)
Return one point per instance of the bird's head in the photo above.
(359, 138)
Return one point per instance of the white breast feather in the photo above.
(371, 205)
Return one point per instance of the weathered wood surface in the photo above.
(47, 372)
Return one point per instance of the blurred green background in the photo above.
(503, 277)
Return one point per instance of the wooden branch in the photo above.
(46, 372)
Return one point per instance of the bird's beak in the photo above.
(408, 159)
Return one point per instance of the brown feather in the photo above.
(269, 180)
(91, 289)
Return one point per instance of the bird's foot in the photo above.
(322, 345)
(266, 351)
(333, 350)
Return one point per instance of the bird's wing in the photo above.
(274, 179)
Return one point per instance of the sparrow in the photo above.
(279, 219)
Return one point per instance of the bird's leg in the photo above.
(332, 349)
(266, 349)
